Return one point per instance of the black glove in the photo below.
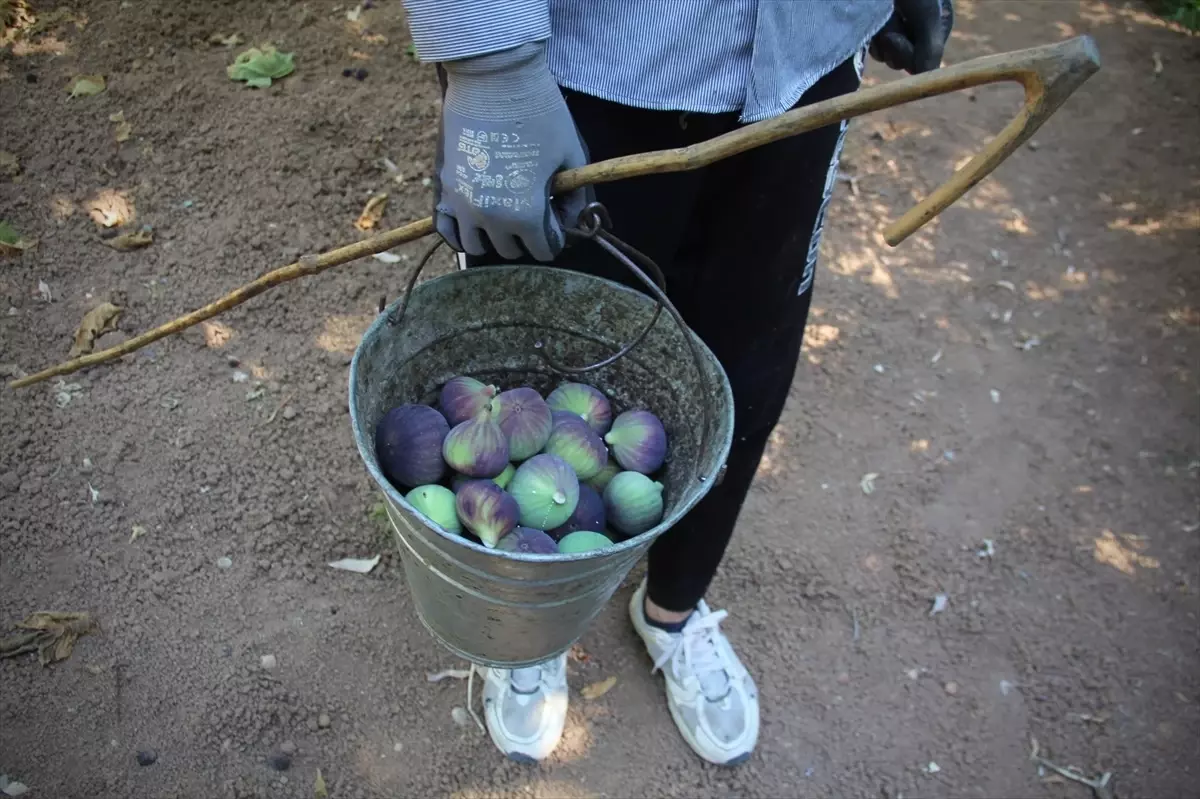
(915, 37)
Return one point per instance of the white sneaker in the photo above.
(711, 696)
(526, 709)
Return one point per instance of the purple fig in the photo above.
(579, 446)
(464, 397)
(547, 491)
(585, 402)
(525, 418)
(525, 539)
(601, 479)
(633, 502)
(558, 417)
(459, 480)
(486, 510)
(476, 447)
(583, 541)
(408, 444)
(638, 441)
(436, 503)
(588, 515)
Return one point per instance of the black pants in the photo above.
(737, 244)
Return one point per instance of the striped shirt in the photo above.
(704, 56)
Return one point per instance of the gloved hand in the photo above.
(915, 37)
(505, 131)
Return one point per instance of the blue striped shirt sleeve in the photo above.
(447, 30)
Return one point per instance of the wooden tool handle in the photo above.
(1049, 73)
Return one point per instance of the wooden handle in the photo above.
(1049, 74)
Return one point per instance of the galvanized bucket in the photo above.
(505, 325)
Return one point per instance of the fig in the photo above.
(585, 402)
(583, 541)
(486, 510)
(547, 491)
(633, 503)
(459, 480)
(464, 397)
(602, 477)
(638, 441)
(525, 418)
(476, 447)
(408, 444)
(588, 514)
(558, 417)
(526, 539)
(579, 446)
(436, 503)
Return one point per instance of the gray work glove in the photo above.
(505, 131)
(914, 39)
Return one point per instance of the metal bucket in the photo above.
(504, 325)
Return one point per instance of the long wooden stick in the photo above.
(1050, 74)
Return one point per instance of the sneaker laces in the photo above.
(697, 649)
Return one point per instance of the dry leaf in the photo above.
(9, 165)
(130, 241)
(52, 635)
(96, 322)
(232, 40)
(86, 85)
(122, 131)
(356, 565)
(44, 291)
(138, 532)
(372, 212)
(867, 483)
(598, 689)
(319, 789)
(12, 242)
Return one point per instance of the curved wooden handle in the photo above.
(1049, 73)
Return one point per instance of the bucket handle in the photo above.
(593, 224)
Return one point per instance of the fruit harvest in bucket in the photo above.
(518, 472)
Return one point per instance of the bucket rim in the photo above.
(642, 540)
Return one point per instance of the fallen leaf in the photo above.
(86, 85)
(12, 242)
(356, 565)
(95, 495)
(122, 131)
(10, 166)
(64, 392)
(52, 635)
(319, 789)
(137, 532)
(372, 212)
(131, 241)
(354, 13)
(387, 257)
(96, 322)
(12, 788)
(44, 291)
(598, 689)
(259, 66)
(232, 40)
(375, 38)
(255, 394)
(867, 483)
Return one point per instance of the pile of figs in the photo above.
(522, 473)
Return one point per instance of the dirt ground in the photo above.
(1022, 372)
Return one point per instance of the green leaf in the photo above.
(86, 85)
(11, 241)
(8, 234)
(259, 66)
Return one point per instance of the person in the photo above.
(535, 86)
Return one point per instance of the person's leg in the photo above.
(752, 251)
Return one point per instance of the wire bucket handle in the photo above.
(593, 225)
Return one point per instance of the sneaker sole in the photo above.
(522, 758)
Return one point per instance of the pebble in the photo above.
(268, 662)
(313, 725)
(147, 757)
(288, 747)
(290, 413)
(224, 562)
(843, 678)
(951, 688)
(280, 761)
(323, 721)
(10, 482)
